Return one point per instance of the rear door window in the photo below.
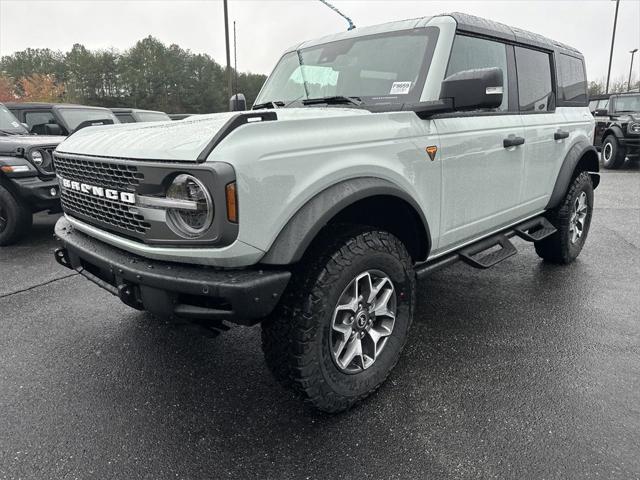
(572, 80)
(125, 117)
(469, 53)
(535, 90)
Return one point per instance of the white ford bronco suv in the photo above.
(371, 158)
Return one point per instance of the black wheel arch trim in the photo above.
(296, 236)
(580, 153)
(615, 130)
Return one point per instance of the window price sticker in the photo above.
(400, 88)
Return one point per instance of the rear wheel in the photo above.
(341, 326)
(572, 219)
(15, 218)
(612, 153)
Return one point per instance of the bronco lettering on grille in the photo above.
(124, 197)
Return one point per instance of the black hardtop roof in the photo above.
(129, 110)
(28, 105)
(485, 27)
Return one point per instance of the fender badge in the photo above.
(431, 151)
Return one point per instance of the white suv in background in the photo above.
(371, 158)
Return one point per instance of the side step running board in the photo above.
(471, 255)
(532, 230)
(535, 229)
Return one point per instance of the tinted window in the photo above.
(153, 117)
(534, 80)
(592, 105)
(37, 121)
(125, 117)
(572, 81)
(469, 53)
(603, 104)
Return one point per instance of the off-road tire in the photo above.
(613, 158)
(295, 338)
(558, 248)
(16, 218)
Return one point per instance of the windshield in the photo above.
(379, 69)
(627, 103)
(75, 116)
(153, 117)
(10, 124)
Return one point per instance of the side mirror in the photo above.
(52, 129)
(474, 89)
(237, 103)
(601, 112)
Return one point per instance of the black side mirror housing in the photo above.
(601, 112)
(237, 103)
(476, 89)
(52, 129)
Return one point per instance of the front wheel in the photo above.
(612, 153)
(15, 218)
(341, 326)
(572, 219)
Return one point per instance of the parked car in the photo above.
(134, 115)
(59, 118)
(598, 102)
(27, 180)
(617, 130)
(180, 116)
(372, 158)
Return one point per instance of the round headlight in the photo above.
(196, 217)
(36, 157)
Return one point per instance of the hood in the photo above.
(175, 141)
(9, 143)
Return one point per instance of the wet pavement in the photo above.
(526, 370)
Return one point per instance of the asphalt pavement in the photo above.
(526, 370)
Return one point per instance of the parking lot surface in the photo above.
(527, 370)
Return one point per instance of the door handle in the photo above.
(560, 135)
(512, 142)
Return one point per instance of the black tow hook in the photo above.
(62, 257)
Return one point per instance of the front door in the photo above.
(481, 174)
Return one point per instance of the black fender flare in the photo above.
(296, 236)
(616, 130)
(582, 155)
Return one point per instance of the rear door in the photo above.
(481, 178)
(542, 123)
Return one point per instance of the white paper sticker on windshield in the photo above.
(400, 88)
(15, 124)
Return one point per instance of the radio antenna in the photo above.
(349, 21)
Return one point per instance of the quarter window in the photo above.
(572, 81)
(37, 121)
(534, 80)
(469, 53)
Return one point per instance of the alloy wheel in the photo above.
(362, 321)
(578, 217)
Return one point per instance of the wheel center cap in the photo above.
(361, 319)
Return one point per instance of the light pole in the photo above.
(632, 52)
(613, 39)
(226, 35)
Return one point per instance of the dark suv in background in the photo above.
(27, 180)
(135, 115)
(59, 118)
(617, 131)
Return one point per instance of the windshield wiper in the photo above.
(334, 100)
(9, 132)
(269, 104)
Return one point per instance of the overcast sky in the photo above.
(266, 27)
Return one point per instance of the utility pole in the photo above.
(226, 34)
(632, 52)
(613, 39)
(235, 61)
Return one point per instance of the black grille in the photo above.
(109, 175)
(106, 211)
(93, 209)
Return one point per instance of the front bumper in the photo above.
(169, 289)
(38, 192)
(631, 143)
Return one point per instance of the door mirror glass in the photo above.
(237, 103)
(476, 89)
